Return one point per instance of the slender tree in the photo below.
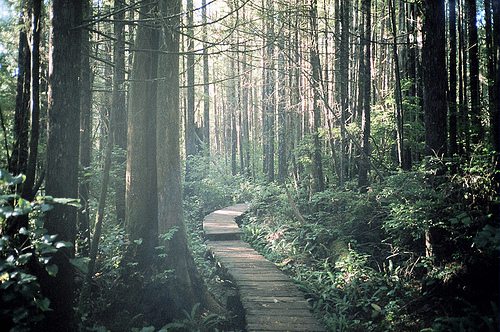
(85, 153)
(496, 84)
(119, 110)
(28, 188)
(316, 77)
(398, 94)
(452, 96)
(206, 78)
(343, 82)
(190, 131)
(496, 101)
(21, 116)
(364, 166)
(477, 130)
(268, 112)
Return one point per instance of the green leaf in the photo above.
(44, 260)
(81, 263)
(18, 179)
(138, 241)
(148, 329)
(46, 207)
(64, 244)
(9, 179)
(46, 248)
(24, 258)
(68, 201)
(49, 238)
(43, 304)
(52, 270)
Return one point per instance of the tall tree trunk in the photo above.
(496, 102)
(21, 116)
(186, 288)
(496, 85)
(344, 85)
(490, 58)
(119, 110)
(62, 156)
(269, 95)
(245, 109)
(364, 165)
(85, 153)
(411, 70)
(29, 184)
(282, 117)
(477, 130)
(233, 107)
(434, 78)
(397, 92)
(435, 109)
(452, 97)
(190, 132)
(206, 86)
(463, 116)
(318, 180)
(141, 188)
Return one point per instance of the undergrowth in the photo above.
(362, 258)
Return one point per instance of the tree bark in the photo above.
(344, 85)
(435, 109)
(434, 78)
(141, 191)
(119, 109)
(269, 95)
(364, 165)
(397, 92)
(21, 116)
(477, 130)
(318, 180)
(62, 156)
(190, 132)
(206, 86)
(85, 153)
(28, 186)
(452, 97)
(496, 102)
(490, 63)
(463, 118)
(186, 288)
(282, 116)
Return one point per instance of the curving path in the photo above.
(270, 299)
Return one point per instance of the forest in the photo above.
(362, 134)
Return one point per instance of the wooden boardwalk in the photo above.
(269, 298)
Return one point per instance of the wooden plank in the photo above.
(284, 327)
(244, 292)
(253, 305)
(269, 297)
(263, 276)
(280, 312)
